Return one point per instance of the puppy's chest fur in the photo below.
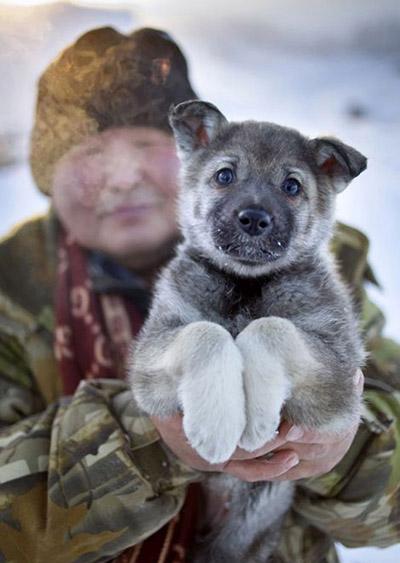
(234, 302)
(240, 301)
(237, 301)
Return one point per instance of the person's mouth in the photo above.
(134, 210)
(131, 211)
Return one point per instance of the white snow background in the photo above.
(316, 65)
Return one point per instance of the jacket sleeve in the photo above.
(358, 502)
(82, 479)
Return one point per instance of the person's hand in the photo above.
(294, 454)
(318, 452)
(244, 465)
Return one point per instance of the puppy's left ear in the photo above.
(340, 162)
(195, 124)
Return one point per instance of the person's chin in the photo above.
(132, 241)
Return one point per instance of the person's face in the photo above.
(116, 191)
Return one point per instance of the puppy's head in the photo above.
(256, 197)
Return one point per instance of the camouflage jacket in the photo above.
(84, 477)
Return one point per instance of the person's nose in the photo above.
(126, 178)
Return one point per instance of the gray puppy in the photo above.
(250, 321)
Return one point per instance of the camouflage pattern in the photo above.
(84, 477)
(357, 503)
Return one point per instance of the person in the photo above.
(84, 475)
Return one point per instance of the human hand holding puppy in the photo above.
(294, 454)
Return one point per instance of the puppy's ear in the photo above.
(194, 124)
(338, 161)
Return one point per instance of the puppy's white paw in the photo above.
(215, 438)
(212, 398)
(266, 387)
(259, 429)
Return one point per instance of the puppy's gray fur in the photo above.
(247, 328)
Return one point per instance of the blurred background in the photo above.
(320, 66)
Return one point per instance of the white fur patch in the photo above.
(212, 398)
(266, 389)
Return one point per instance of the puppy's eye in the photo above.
(224, 177)
(291, 186)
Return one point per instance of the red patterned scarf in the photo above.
(92, 335)
(93, 331)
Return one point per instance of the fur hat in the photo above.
(105, 79)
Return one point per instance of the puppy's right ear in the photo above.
(195, 124)
(338, 161)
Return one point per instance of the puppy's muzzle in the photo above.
(255, 221)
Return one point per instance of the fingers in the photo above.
(280, 439)
(307, 469)
(315, 459)
(359, 381)
(318, 451)
(318, 437)
(254, 470)
(309, 452)
(305, 436)
(173, 435)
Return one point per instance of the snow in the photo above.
(320, 66)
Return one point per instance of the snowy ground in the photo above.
(319, 66)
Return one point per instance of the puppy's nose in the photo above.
(255, 221)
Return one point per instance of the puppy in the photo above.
(250, 321)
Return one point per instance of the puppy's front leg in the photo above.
(211, 390)
(265, 382)
(283, 365)
(197, 368)
(279, 364)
